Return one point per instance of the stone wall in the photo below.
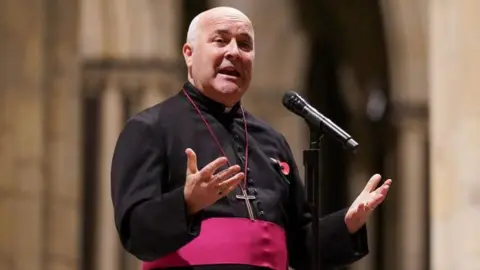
(45, 43)
(39, 135)
(455, 132)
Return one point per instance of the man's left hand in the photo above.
(366, 202)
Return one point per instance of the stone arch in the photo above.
(129, 60)
(348, 73)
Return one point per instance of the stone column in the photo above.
(105, 29)
(406, 32)
(107, 247)
(455, 132)
(22, 135)
(125, 29)
(412, 168)
(156, 24)
(92, 29)
(63, 142)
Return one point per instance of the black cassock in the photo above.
(148, 176)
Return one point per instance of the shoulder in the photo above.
(260, 125)
(153, 120)
(158, 113)
(257, 125)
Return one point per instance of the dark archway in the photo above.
(323, 94)
(190, 9)
(346, 33)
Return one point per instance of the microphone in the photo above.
(296, 104)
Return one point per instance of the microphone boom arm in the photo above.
(318, 126)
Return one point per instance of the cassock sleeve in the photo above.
(150, 220)
(337, 246)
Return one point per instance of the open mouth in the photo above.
(230, 71)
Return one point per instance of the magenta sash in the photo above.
(231, 241)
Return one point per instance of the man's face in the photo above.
(222, 56)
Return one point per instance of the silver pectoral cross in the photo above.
(247, 199)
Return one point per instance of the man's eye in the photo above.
(220, 40)
(244, 44)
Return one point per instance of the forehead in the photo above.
(228, 24)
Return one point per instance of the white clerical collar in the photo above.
(227, 110)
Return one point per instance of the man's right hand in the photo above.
(204, 187)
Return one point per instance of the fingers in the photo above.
(369, 199)
(230, 184)
(384, 188)
(191, 161)
(366, 206)
(373, 183)
(225, 174)
(382, 191)
(207, 171)
(388, 183)
(377, 197)
(374, 202)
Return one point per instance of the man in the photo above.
(199, 183)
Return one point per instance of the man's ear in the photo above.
(187, 51)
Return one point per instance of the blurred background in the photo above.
(401, 76)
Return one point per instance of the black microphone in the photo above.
(296, 104)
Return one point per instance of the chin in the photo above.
(228, 88)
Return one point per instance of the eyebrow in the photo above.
(226, 32)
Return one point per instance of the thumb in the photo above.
(191, 161)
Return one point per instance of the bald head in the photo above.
(196, 24)
(219, 54)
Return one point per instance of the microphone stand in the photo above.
(311, 162)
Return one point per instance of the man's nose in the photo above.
(233, 51)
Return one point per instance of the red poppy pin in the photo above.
(283, 166)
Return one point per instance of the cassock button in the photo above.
(250, 181)
(259, 206)
(254, 191)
